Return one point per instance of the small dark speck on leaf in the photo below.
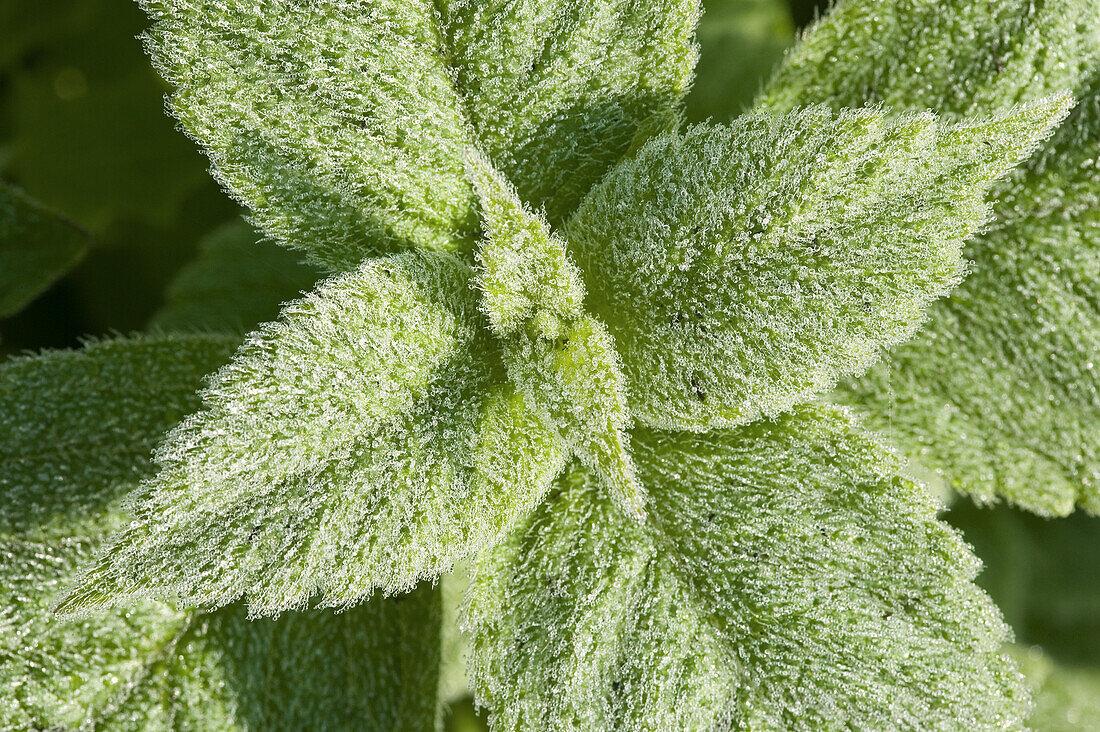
(699, 393)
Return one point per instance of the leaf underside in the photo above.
(37, 246)
(234, 284)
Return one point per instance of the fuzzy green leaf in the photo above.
(743, 269)
(557, 89)
(561, 358)
(957, 57)
(336, 122)
(790, 579)
(344, 126)
(75, 431)
(234, 283)
(77, 427)
(573, 378)
(1000, 395)
(364, 441)
(526, 274)
(64, 675)
(158, 668)
(37, 246)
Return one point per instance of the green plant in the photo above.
(586, 350)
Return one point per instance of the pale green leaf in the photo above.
(336, 122)
(743, 269)
(572, 377)
(526, 273)
(66, 675)
(790, 579)
(560, 358)
(1067, 699)
(37, 246)
(343, 125)
(957, 57)
(234, 283)
(366, 440)
(77, 427)
(556, 89)
(1000, 395)
(158, 668)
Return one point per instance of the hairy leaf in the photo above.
(1000, 394)
(1067, 699)
(69, 674)
(343, 125)
(75, 430)
(957, 57)
(37, 246)
(561, 358)
(743, 269)
(235, 283)
(572, 377)
(526, 274)
(77, 427)
(336, 122)
(366, 440)
(790, 579)
(557, 89)
(158, 668)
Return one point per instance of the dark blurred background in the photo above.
(83, 129)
